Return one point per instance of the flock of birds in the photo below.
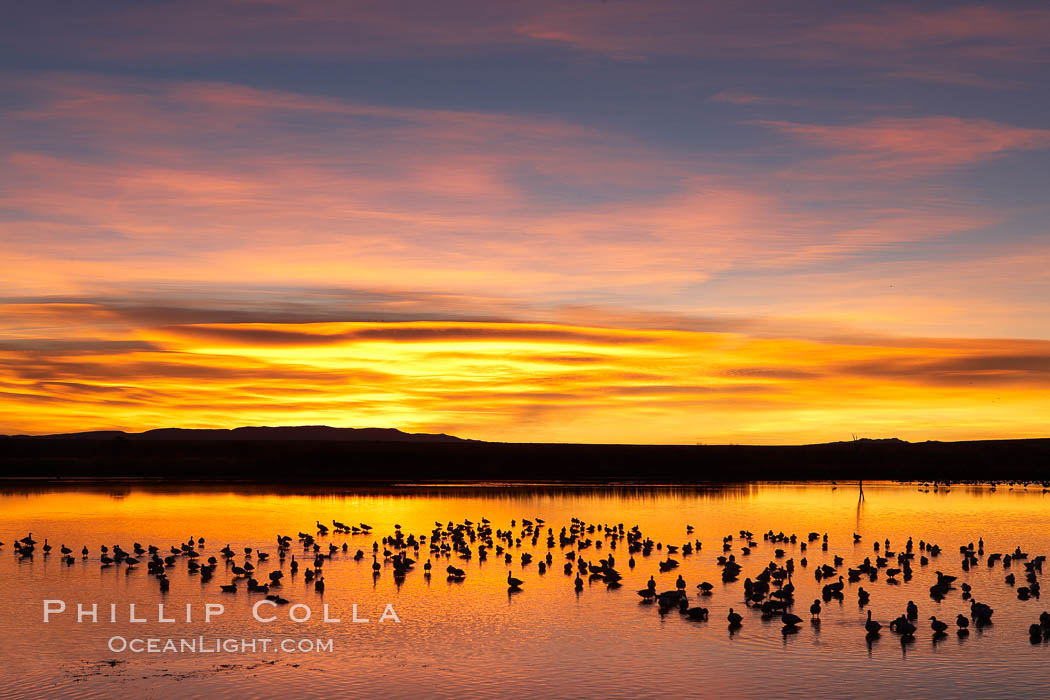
(771, 590)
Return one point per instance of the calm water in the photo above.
(474, 639)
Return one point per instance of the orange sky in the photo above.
(580, 221)
(520, 381)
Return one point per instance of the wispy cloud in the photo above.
(985, 31)
(579, 241)
(912, 146)
(953, 44)
(189, 180)
(747, 98)
(504, 381)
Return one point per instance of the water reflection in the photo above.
(475, 638)
(118, 489)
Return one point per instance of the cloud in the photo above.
(747, 98)
(945, 44)
(328, 334)
(772, 373)
(199, 251)
(522, 381)
(66, 346)
(177, 184)
(984, 31)
(912, 146)
(1001, 369)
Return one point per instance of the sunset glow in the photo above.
(556, 221)
(513, 381)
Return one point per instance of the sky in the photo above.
(556, 220)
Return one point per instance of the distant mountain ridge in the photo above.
(298, 455)
(256, 433)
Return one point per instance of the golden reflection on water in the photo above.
(472, 638)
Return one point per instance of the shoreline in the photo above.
(423, 463)
(160, 484)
